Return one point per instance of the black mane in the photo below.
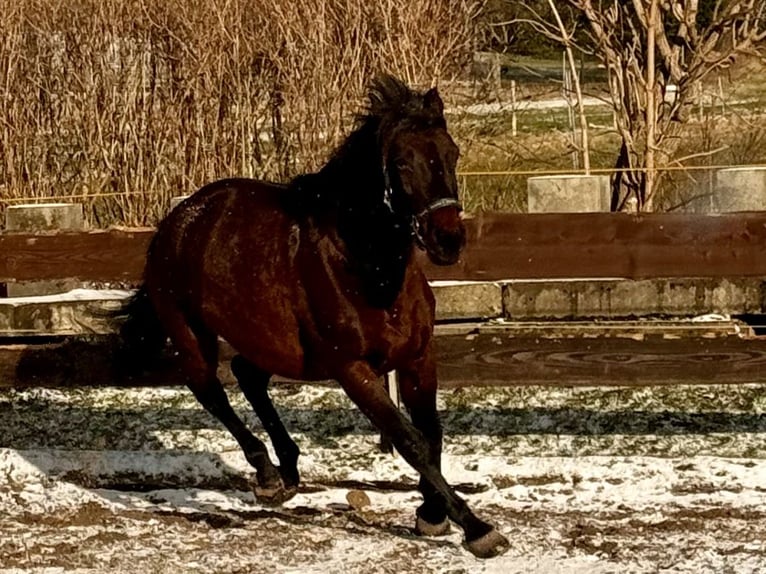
(350, 187)
(391, 107)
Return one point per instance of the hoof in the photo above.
(290, 477)
(423, 528)
(273, 495)
(491, 544)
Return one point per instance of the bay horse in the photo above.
(317, 279)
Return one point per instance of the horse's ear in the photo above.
(432, 102)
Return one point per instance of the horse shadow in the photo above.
(40, 420)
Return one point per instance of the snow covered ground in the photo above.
(581, 480)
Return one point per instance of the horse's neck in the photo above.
(377, 242)
(379, 245)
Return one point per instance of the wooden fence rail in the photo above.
(500, 246)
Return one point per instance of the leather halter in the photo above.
(416, 220)
(417, 224)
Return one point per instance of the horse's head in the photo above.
(419, 161)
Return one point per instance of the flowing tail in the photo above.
(142, 337)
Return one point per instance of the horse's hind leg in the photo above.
(254, 384)
(198, 352)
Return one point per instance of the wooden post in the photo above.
(720, 96)
(513, 108)
(392, 385)
(651, 115)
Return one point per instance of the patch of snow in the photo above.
(570, 498)
(70, 296)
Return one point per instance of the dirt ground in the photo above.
(580, 480)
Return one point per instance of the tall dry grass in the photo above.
(122, 104)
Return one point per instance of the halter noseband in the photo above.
(417, 226)
(438, 204)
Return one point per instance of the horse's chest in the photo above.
(343, 323)
(346, 328)
(367, 331)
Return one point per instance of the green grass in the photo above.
(732, 135)
(542, 144)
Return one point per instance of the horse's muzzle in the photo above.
(441, 233)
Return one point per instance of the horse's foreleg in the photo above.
(361, 384)
(254, 384)
(418, 386)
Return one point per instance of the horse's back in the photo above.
(231, 260)
(225, 257)
(226, 196)
(238, 213)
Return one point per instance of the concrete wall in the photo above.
(459, 300)
(81, 312)
(568, 193)
(622, 299)
(739, 189)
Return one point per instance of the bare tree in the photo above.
(648, 46)
(656, 53)
(545, 18)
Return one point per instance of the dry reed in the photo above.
(153, 98)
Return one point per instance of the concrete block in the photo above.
(619, 299)
(6, 319)
(457, 300)
(740, 189)
(78, 312)
(71, 318)
(568, 193)
(44, 217)
(38, 288)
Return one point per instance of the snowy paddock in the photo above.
(654, 479)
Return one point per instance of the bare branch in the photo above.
(686, 52)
